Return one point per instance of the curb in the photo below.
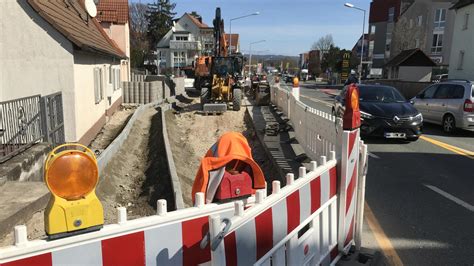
(262, 142)
(178, 194)
(109, 152)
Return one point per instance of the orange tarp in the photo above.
(231, 146)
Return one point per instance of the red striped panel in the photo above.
(332, 182)
(124, 250)
(293, 211)
(315, 187)
(352, 138)
(351, 187)
(193, 232)
(230, 250)
(334, 253)
(350, 233)
(264, 230)
(40, 260)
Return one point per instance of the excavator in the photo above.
(217, 75)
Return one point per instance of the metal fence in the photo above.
(29, 120)
(20, 125)
(52, 118)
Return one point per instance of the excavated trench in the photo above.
(191, 134)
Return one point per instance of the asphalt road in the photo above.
(421, 193)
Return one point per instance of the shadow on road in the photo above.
(437, 130)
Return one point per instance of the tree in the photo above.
(323, 44)
(160, 20)
(138, 34)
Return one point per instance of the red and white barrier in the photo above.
(265, 231)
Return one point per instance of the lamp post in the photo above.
(230, 30)
(349, 5)
(250, 52)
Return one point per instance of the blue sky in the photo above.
(289, 27)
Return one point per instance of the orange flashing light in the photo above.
(71, 174)
(296, 82)
(351, 118)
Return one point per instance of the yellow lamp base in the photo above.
(64, 218)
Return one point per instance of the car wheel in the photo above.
(449, 124)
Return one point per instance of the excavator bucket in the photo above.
(228, 171)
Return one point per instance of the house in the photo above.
(357, 50)
(427, 25)
(235, 41)
(56, 46)
(382, 17)
(187, 40)
(461, 63)
(411, 65)
(113, 17)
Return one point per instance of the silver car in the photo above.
(448, 103)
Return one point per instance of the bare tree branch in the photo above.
(323, 44)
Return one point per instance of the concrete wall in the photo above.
(90, 116)
(34, 57)
(422, 74)
(409, 89)
(463, 40)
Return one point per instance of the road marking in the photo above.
(468, 154)
(381, 238)
(373, 155)
(316, 100)
(451, 197)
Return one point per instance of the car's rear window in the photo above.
(380, 94)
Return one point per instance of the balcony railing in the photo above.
(185, 45)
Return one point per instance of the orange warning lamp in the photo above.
(72, 174)
(351, 118)
(296, 82)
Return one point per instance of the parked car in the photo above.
(448, 103)
(289, 78)
(384, 113)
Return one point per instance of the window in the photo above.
(466, 21)
(417, 43)
(443, 92)
(448, 91)
(429, 92)
(181, 38)
(371, 48)
(440, 18)
(419, 21)
(411, 23)
(98, 85)
(391, 14)
(437, 46)
(372, 29)
(179, 59)
(461, 60)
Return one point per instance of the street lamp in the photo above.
(349, 5)
(250, 52)
(230, 30)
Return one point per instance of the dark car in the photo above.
(289, 79)
(384, 113)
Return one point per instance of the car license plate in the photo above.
(395, 135)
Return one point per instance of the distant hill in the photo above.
(274, 60)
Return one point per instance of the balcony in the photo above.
(185, 45)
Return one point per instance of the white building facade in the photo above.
(461, 65)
